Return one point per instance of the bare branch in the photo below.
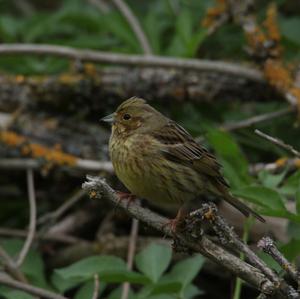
(134, 24)
(32, 222)
(278, 142)
(80, 164)
(131, 252)
(256, 119)
(63, 208)
(98, 188)
(29, 289)
(268, 246)
(10, 266)
(96, 286)
(62, 238)
(133, 60)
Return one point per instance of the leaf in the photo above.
(185, 271)
(191, 291)
(271, 180)
(289, 28)
(263, 196)
(298, 201)
(33, 265)
(154, 260)
(291, 184)
(87, 267)
(229, 151)
(13, 294)
(291, 249)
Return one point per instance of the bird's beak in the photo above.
(109, 118)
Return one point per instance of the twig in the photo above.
(278, 142)
(81, 164)
(96, 286)
(291, 164)
(133, 60)
(130, 256)
(98, 188)
(63, 208)
(227, 233)
(10, 266)
(268, 246)
(29, 289)
(62, 238)
(32, 222)
(134, 24)
(256, 119)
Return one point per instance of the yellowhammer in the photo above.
(158, 160)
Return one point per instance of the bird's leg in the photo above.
(175, 223)
(126, 196)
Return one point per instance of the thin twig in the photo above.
(29, 289)
(134, 24)
(96, 286)
(81, 164)
(130, 256)
(98, 188)
(32, 222)
(10, 266)
(256, 119)
(268, 246)
(61, 238)
(63, 208)
(133, 60)
(278, 142)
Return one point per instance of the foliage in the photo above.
(156, 278)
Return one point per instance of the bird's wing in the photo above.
(180, 147)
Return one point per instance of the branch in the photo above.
(10, 266)
(130, 255)
(80, 164)
(133, 60)
(278, 142)
(96, 286)
(32, 222)
(268, 246)
(256, 119)
(29, 289)
(134, 24)
(98, 188)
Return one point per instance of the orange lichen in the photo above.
(69, 78)
(214, 13)
(20, 79)
(11, 138)
(52, 155)
(277, 74)
(270, 23)
(93, 194)
(90, 69)
(281, 162)
(210, 215)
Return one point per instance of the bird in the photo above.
(159, 161)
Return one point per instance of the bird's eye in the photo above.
(126, 116)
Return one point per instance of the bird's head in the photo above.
(135, 116)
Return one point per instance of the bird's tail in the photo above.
(242, 207)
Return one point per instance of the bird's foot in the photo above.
(125, 196)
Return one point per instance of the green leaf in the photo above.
(13, 294)
(291, 249)
(191, 291)
(233, 160)
(87, 267)
(185, 271)
(154, 260)
(109, 268)
(291, 184)
(298, 201)
(33, 265)
(263, 196)
(271, 180)
(290, 28)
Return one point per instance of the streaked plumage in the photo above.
(158, 160)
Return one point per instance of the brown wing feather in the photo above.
(180, 147)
